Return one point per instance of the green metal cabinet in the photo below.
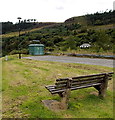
(36, 49)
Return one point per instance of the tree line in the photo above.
(103, 18)
(24, 24)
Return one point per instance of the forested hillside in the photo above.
(94, 19)
(8, 27)
(96, 29)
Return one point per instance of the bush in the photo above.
(23, 51)
(14, 52)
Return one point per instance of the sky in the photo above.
(50, 10)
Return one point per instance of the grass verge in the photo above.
(24, 83)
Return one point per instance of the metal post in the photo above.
(19, 18)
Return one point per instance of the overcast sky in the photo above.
(50, 10)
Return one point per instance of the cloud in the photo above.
(60, 8)
(51, 10)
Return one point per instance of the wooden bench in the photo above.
(63, 86)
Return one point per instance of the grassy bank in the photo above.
(85, 51)
(24, 88)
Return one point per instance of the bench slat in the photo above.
(62, 79)
(90, 78)
(75, 88)
(85, 76)
(74, 80)
(101, 74)
(61, 85)
(85, 86)
(87, 82)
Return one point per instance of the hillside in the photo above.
(9, 29)
(24, 31)
(95, 19)
(79, 20)
(96, 29)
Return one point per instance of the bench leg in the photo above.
(64, 98)
(60, 94)
(102, 88)
(102, 92)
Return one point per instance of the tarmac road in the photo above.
(66, 59)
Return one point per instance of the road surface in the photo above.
(66, 59)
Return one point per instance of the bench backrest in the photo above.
(76, 82)
(79, 82)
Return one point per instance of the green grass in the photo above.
(86, 51)
(24, 89)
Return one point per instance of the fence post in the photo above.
(6, 58)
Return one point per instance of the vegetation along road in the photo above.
(66, 59)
